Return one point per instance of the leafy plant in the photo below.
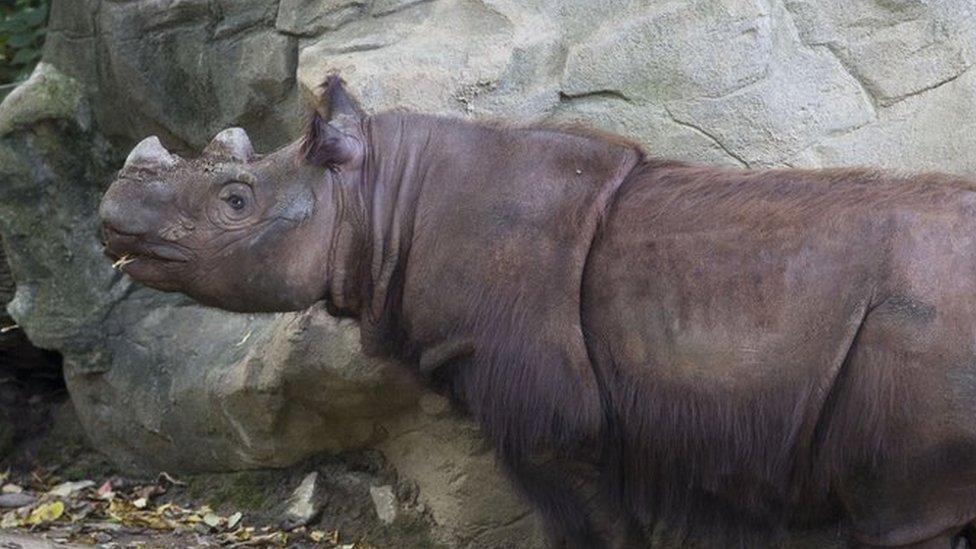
(22, 28)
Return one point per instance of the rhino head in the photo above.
(232, 228)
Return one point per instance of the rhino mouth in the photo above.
(125, 249)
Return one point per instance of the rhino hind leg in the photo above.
(920, 489)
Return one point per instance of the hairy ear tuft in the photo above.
(335, 102)
(334, 135)
(327, 146)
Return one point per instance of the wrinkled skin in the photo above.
(181, 233)
(734, 354)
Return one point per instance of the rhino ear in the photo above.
(150, 154)
(326, 145)
(233, 143)
(337, 105)
(335, 137)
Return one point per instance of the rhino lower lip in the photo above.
(124, 258)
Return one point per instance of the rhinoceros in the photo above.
(728, 352)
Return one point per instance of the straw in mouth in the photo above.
(123, 261)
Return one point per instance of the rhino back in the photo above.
(722, 305)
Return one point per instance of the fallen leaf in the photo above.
(105, 490)
(82, 512)
(211, 520)
(316, 535)
(129, 515)
(48, 512)
(168, 478)
(11, 489)
(10, 520)
(65, 489)
(148, 492)
(140, 503)
(233, 520)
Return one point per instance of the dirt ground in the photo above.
(56, 491)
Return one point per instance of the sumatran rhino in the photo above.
(729, 352)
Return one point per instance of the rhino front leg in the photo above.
(558, 491)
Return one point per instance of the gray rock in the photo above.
(169, 63)
(6, 281)
(668, 50)
(311, 17)
(303, 504)
(895, 48)
(805, 96)
(384, 503)
(240, 16)
(16, 351)
(32, 541)
(931, 131)
(459, 482)
(441, 57)
(50, 171)
(14, 501)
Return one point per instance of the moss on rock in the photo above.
(47, 95)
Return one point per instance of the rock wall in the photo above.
(744, 82)
(162, 383)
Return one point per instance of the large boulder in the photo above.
(159, 382)
(157, 66)
(8, 333)
(16, 351)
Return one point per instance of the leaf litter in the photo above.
(117, 513)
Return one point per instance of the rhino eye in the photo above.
(236, 201)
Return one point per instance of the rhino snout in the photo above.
(124, 216)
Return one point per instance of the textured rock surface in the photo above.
(744, 82)
(159, 382)
(6, 281)
(9, 337)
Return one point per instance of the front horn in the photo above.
(150, 154)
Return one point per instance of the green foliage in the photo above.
(22, 28)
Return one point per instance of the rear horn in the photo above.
(233, 143)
